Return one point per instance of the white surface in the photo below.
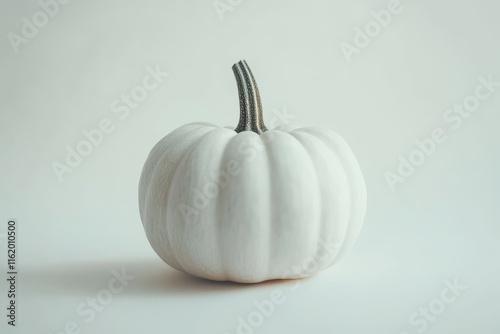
(441, 223)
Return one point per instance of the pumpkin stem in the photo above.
(250, 105)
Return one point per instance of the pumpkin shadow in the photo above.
(150, 277)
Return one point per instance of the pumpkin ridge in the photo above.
(272, 212)
(156, 163)
(175, 166)
(172, 181)
(355, 179)
(218, 223)
(341, 237)
(322, 224)
(154, 226)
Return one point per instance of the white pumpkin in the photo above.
(251, 204)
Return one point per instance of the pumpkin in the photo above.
(251, 204)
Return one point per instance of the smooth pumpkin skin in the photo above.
(298, 189)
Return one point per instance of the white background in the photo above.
(441, 224)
